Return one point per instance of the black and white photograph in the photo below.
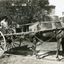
(31, 31)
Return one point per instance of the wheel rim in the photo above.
(2, 44)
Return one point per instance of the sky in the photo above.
(59, 6)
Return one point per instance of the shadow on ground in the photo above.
(23, 50)
(50, 53)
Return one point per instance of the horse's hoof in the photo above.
(57, 59)
(38, 57)
(63, 55)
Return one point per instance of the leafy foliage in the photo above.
(22, 14)
(42, 3)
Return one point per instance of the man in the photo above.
(4, 24)
(18, 28)
(4, 29)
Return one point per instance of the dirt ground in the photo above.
(23, 55)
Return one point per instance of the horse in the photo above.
(58, 36)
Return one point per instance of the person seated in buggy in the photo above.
(18, 28)
(4, 24)
(5, 28)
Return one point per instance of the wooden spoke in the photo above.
(2, 43)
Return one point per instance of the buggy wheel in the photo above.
(2, 43)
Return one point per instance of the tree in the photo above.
(41, 13)
(43, 3)
(20, 14)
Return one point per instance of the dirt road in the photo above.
(23, 55)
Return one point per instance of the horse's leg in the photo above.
(20, 42)
(58, 47)
(35, 52)
(57, 52)
(62, 43)
(34, 46)
(12, 41)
